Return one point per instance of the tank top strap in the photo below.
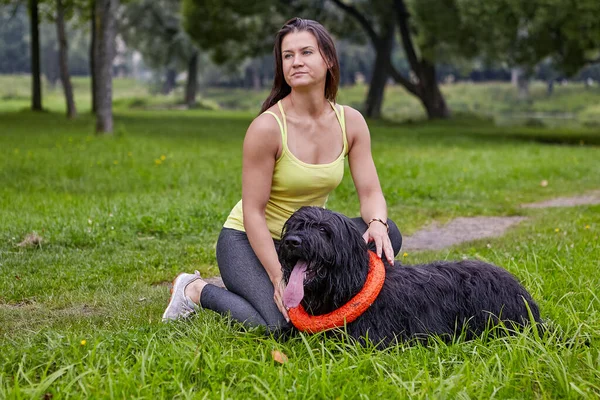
(282, 127)
(342, 120)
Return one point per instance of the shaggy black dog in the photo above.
(442, 298)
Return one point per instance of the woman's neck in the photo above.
(310, 103)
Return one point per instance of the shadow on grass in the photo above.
(476, 128)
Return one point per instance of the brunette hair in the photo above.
(326, 48)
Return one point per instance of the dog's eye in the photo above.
(322, 230)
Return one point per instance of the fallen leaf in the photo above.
(279, 356)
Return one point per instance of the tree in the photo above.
(232, 29)
(93, 44)
(104, 50)
(65, 77)
(36, 83)
(235, 28)
(387, 15)
(154, 28)
(43, 54)
(520, 33)
(191, 86)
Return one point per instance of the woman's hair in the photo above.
(326, 48)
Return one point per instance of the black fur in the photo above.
(442, 298)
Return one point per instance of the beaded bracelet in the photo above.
(379, 220)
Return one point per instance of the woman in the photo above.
(293, 156)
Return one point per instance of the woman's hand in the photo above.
(377, 232)
(278, 288)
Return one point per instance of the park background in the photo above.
(121, 127)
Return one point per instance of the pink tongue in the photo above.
(294, 291)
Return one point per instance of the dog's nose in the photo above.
(292, 241)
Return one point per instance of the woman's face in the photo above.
(301, 60)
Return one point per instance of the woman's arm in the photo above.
(261, 146)
(366, 181)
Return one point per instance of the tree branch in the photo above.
(14, 10)
(409, 49)
(360, 18)
(399, 78)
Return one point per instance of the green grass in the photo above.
(120, 216)
(570, 106)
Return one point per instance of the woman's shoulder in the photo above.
(263, 136)
(356, 126)
(352, 115)
(265, 124)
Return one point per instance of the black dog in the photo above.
(442, 298)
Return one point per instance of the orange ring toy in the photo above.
(349, 311)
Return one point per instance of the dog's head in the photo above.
(324, 259)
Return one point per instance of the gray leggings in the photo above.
(249, 294)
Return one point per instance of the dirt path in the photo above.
(462, 230)
(591, 198)
(459, 230)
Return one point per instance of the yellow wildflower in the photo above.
(83, 342)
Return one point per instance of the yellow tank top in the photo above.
(295, 183)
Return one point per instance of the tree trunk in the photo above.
(550, 87)
(380, 74)
(63, 59)
(192, 80)
(523, 88)
(427, 88)
(256, 82)
(523, 85)
(36, 84)
(429, 92)
(93, 56)
(520, 79)
(514, 76)
(170, 82)
(106, 25)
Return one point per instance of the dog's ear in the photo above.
(348, 234)
(298, 217)
(347, 228)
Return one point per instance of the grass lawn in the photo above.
(571, 105)
(120, 216)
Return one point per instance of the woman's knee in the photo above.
(395, 236)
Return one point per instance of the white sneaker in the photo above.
(181, 306)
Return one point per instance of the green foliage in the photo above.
(522, 33)
(232, 29)
(154, 29)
